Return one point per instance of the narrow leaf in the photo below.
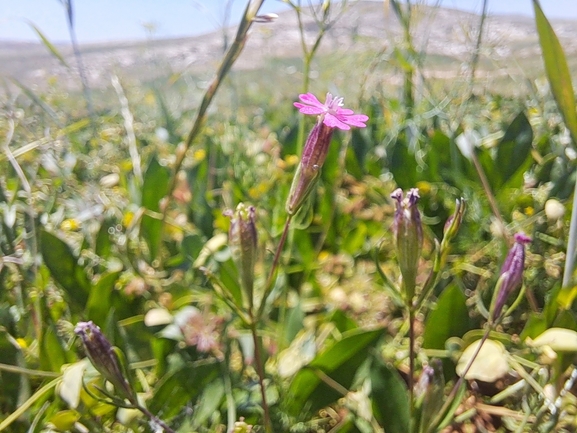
(339, 362)
(557, 70)
(154, 189)
(49, 45)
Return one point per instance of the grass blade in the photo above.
(49, 45)
(557, 70)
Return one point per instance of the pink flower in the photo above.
(333, 115)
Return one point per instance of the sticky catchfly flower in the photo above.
(332, 111)
(331, 115)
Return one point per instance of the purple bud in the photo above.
(511, 276)
(242, 239)
(408, 231)
(103, 357)
(314, 155)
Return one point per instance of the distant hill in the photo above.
(365, 26)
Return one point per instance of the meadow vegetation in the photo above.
(195, 253)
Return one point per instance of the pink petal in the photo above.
(310, 99)
(334, 122)
(357, 120)
(307, 109)
(344, 111)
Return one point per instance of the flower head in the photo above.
(331, 112)
(511, 276)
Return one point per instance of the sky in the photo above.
(118, 20)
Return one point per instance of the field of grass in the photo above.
(182, 250)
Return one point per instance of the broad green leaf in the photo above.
(99, 300)
(450, 318)
(513, 150)
(64, 267)
(182, 387)
(103, 246)
(389, 396)
(339, 362)
(557, 70)
(209, 402)
(402, 164)
(154, 189)
(49, 45)
(52, 353)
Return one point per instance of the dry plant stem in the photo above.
(490, 196)
(225, 66)
(81, 70)
(129, 126)
(260, 372)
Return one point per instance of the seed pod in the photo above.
(408, 231)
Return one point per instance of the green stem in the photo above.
(411, 365)
(260, 372)
(271, 276)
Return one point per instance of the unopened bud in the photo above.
(314, 155)
(408, 232)
(454, 222)
(511, 276)
(242, 239)
(103, 357)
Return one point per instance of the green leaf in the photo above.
(99, 300)
(154, 189)
(103, 246)
(339, 362)
(49, 45)
(389, 396)
(449, 319)
(402, 164)
(513, 150)
(64, 267)
(181, 387)
(557, 70)
(52, 353)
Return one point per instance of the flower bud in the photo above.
(104, 357)
(242, 239)
(454, 222)
(309, 169)
(408, 232)
(511, 276)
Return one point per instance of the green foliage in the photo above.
(328, 343)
